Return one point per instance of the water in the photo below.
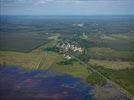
(17, 84)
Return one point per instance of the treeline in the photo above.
(53, 49)
(85, 56)
(83, 42)
(67, 62)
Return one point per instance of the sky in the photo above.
(66, 7)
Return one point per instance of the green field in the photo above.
(27, 60)
(108, 45)
(111, 54)
(122, 77)
(42, 59)
(115, 65)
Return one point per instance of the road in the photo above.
(44, 55)
(108, 80)
(93, 70)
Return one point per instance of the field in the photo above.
(22, 42)
(115, 65)
(39, 59)
(26, 60)
(123, 77)
(111, 54)
(25, 33)
(107, 43)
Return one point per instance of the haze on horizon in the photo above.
(67, 7)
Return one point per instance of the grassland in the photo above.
(27, 60)
(122, 77)
(111, 54)
(109, 43)
(119, 42)
(76, 69)
(22, 42)
(112, 59)
(43, 60)
(115, 65)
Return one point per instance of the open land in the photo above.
(107, 49)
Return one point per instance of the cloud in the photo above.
(45, 1)
(66, 6)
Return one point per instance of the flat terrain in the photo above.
(115, 65)
(38, 59)
(122, 77)
(107, 44)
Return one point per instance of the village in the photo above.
(68, 48)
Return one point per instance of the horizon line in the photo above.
(66, 15)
